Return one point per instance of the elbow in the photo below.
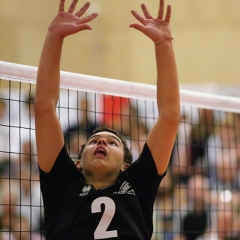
(176, 116)
(42, 106)
(171, 119)
(171, 115)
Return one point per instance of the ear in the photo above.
(79, 165)
(124, 166)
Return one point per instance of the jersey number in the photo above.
(109, 211)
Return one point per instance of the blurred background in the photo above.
(207, 46)
(206, 41)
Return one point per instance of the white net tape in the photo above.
(24, 73)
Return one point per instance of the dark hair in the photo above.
(128, 157)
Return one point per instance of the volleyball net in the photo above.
(199, 197)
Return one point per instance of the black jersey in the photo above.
(77, 211)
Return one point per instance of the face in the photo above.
(103, 154)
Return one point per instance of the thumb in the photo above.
(82, 27)
(137, 26)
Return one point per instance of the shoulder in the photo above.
(62, 166)
(143, 168)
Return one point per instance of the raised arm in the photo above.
(49, 136)
(162, 136)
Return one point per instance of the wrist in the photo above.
(166, 40)
(54, 36)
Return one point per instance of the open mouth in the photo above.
(100, 151)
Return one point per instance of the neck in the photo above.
(100, 180)
(100, 184)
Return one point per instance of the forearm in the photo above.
(48, 77)
(167, 81)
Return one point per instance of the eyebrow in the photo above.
(111, 136)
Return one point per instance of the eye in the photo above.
(93, 141)
(112, 143)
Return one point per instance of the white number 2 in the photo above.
(109, 211)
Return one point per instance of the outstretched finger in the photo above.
(72, 6)
(137, 26)
(83, 9)
(146, 12)
(138, 16)
(82, 27)
(161, 10)
(168, 15)
(61, 6)
(88, 18)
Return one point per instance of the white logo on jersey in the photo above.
(125, 189)
(85, 190)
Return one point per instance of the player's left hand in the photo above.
(157, 29)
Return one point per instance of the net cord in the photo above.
(28, 74)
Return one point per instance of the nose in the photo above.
(101, 141)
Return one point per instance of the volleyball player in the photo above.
(106, 197)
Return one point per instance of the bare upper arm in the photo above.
(49, 137)
(161, 140)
